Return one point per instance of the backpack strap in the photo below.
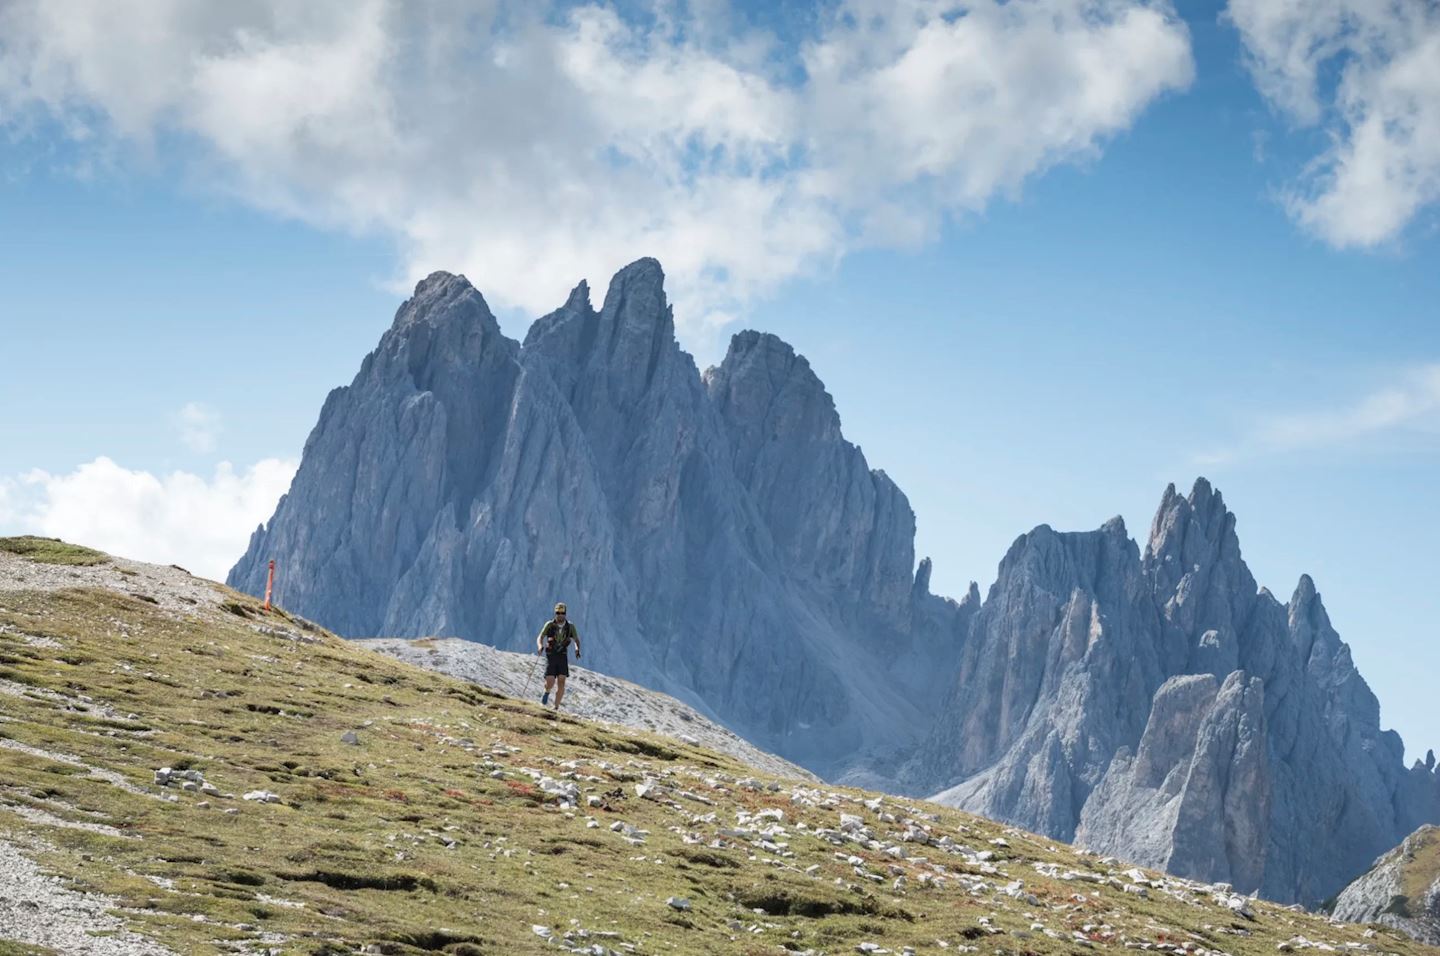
(558, 637)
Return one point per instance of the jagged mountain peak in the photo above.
(1304, 591)
(1192, 527)
(438, 279)
(764, 379)
(645, 270)
(923, 572)
(1309, 621)
(1051, 558)
(444, 297)
(772, 350)
(635, 321)
(1205, 495)
(636, 299)
(579, 297)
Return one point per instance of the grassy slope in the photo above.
(1420, 871)
(360, 840)
(52, 551)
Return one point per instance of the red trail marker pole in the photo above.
(269, 584)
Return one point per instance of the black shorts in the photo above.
(557, 665)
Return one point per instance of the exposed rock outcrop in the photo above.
(1402, 889)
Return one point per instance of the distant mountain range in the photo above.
(719, 539)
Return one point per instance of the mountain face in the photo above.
(718, 539)
(1162, 708)
(464, 482)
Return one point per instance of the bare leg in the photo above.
(559, 691)
(549, 683)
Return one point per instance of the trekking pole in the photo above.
(530, 685)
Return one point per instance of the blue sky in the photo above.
(1194, 269)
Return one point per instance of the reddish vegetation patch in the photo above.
(343, 790)
(396, 795)
(522, 788)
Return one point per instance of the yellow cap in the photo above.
(560, 608)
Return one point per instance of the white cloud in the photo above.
(529, 145)
(199, 427)
(1368, 72)
(1411, 402)
(178, 518)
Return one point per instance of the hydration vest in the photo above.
(558, 637)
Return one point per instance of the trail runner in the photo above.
(554, 642)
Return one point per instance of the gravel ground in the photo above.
(175, 589)
(39, 910)
(588, 694)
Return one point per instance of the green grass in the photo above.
(19, 949)
(356, 856)
(1420, 870)
(52, 551)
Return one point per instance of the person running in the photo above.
(554, 642)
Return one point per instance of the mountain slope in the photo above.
(1402, 889)
(399, 811)
(464, 482)
(589, 695)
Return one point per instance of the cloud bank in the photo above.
(1367, 72)
(200, 523)
(529, 145)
